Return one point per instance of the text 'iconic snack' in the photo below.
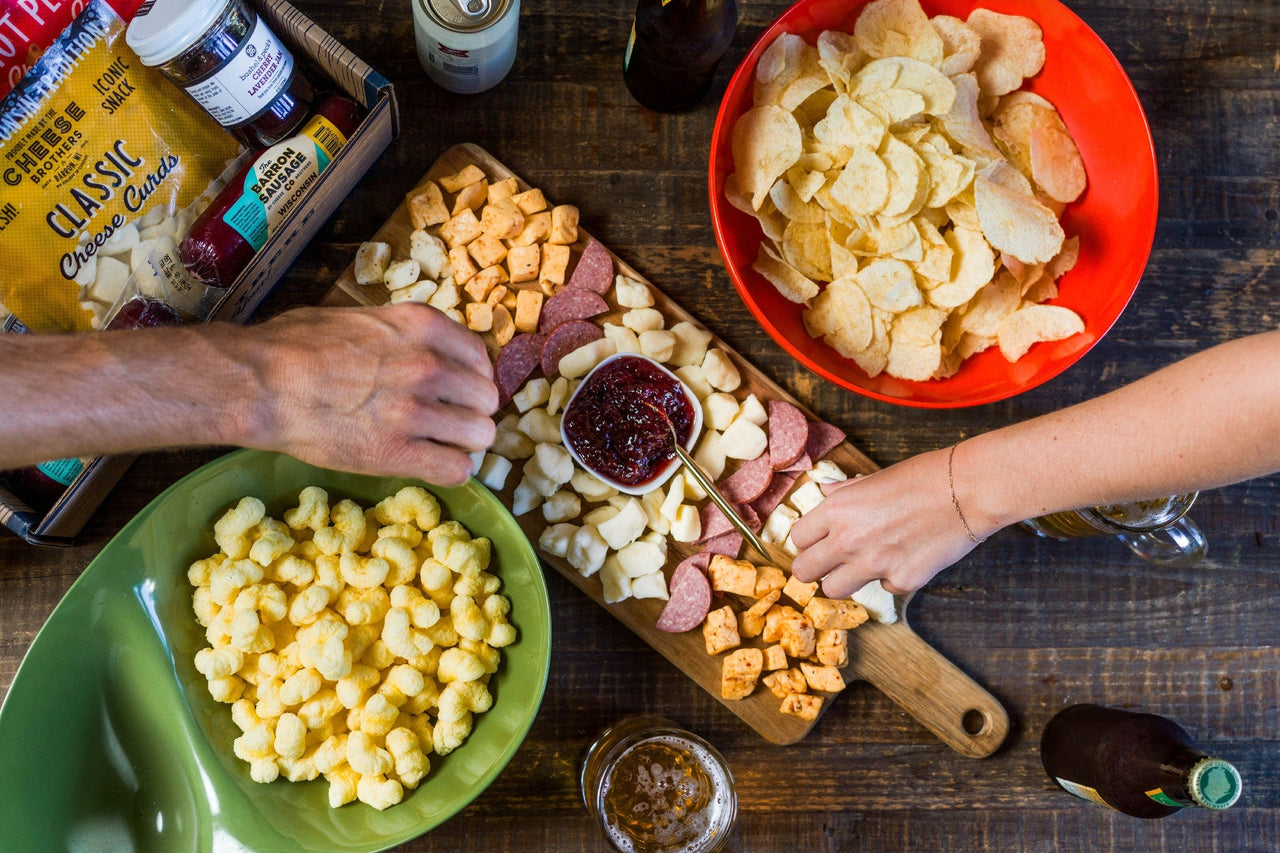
(909, 190)
(350, 643)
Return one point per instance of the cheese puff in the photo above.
(249, 634)
(458, 664)
(219, 663)
(306, 607)
(399, 556)
(271, 541)
(466, 558)
(290, 736)
(269, 666)
(300, 687)
(447, 529)
(365, 756)
(378, 655)
(428, 663)
(318, 735)
(329, 574)
(422, 726)
(321, 647)
(489, 656)
(201, 571)
(226, 581)
(347, 531)
(351, 688)
(317, 711)
(363, 572)
(227, 689)
(307, 549)
(412, 504)
(496, 608)
(363, 606)
(401, 638)
(300, 769)
(343, 781)
(218, 633)
(425, 699)
(290, 568)
(500, 634)
(443, 633)
(379, 791)
(410, 533)
(290, 659)
(255, 744)
(312, 511)
(410, 762)
(377, 715)
(264, 771)
(437, 581)
(206, 609)
(400, 683)
(423, 612)
(331, 754)
(454, 701)
(360, 638)
(467, 619)
(286, 633)
(244, 716)
(230, 530)
(267, 599)
(471, 586)
(448, 736)
(269, 705)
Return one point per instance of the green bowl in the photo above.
(109, 739)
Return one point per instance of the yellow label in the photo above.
(89, 142)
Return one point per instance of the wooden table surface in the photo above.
(1040, 624)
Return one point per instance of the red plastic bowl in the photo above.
(1115, 218)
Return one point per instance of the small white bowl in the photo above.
(670, 468)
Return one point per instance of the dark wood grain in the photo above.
(1041, 624)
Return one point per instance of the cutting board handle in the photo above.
(929, 687)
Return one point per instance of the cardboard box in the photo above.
(349, 74)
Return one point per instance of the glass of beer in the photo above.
(656, 788)
(1157, 530)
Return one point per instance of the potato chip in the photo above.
(1017, 223)
(908, 179)
(781, 62)
(963, 123)
(842, 311)
(805, 183)
(790, 205)
(973, 265)
(1000, 298)
(772, 223)
(874, 358)
(766, 142)
(789, 281)
(1056, 165)
(839, 55)
(961, 44)
(843, 262)
(902, 72)
(915, 344)
(805, 246)
(863, 186)
(1032, 324)
(897, 28)
(849, 123)
(1012, 49)
(893, 105)
(890, 285)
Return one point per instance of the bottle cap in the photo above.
(1214, 783)
(162, 29)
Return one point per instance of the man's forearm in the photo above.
(1209, 420)
(111, 392)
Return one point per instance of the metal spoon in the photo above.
(710, 488)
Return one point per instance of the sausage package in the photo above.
(103, 165)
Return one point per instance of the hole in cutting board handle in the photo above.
(975, 722)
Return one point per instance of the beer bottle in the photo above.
(1141, 764)
(674, 48)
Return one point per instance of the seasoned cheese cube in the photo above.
(775, 658)
(460, 230)
(803, 705)
(834, 613)
(530, 201)
(503, 189)
(799, 591)
(523, 262)
(564, 224)
(426, 206)
(467, 175)
(729, 575)
(487, 250)
(371, 262)
(797, 637)
(554, 264)
(833, 647)
(751, 622)
(463, 267)
(430, 253)
(472, 196)
(720, 630)
(768, 579)
(528, 310)
(822, 677)
(783, 682)
(739, 673)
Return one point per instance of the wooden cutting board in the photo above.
(891, 657)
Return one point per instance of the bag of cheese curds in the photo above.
(103, 167)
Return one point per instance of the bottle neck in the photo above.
(1192, 778)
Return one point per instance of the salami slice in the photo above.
(729, 544)
(749, 481)
(572, 303)
(779, 486)
(564, 339)
(594, 270)
(788, 433)
(823, 438)
(804, 463)
(516, 362)
(714, 522)
(690, 596)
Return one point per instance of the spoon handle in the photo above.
(727, 508)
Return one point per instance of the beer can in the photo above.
(466, 46)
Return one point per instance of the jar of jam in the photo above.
(229, 61)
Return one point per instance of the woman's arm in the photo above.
(1206, 421)
(391, 390)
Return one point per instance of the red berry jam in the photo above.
(615, 424)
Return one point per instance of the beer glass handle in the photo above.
(1180, 543)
